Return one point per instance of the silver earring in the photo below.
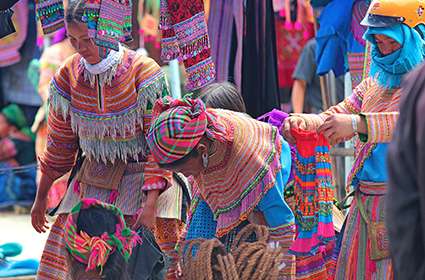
(205, 160)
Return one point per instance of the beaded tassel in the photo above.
(185, 37)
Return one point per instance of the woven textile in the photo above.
(167, 233)
(354, 258)
(107, 124)
(248, 168)
(356, 61)
(318, 267)
(379, 107)
(179, 126)
(10, 45)
(108, 21)
(359, 12)
(54, 260)
(313, 193)
(95, 250)
(185, 37)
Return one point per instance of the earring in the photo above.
(205, 160)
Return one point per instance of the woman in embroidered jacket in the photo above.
(103, 107)
(50, 61)
(240, 164)
(370, 113)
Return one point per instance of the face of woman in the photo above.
(386, 45)
(78, 36)
(192, 166)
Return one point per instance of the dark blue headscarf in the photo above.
(389, 70)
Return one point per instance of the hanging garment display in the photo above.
(10, 45)
(260, 87)
(225, 28)
(290, 43)
(335, 22)
(185, 37)
(108, 21)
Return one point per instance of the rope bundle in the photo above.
(246, 260)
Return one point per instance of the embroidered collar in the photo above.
(105, 69)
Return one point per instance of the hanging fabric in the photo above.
(260, 87)
(313, 192)
(10, 45)
(185, 37)
(108, 21)
(225, 29)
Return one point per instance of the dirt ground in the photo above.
(17, 228)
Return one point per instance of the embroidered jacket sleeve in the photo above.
(151, 85)
(380, 126)
(62, 143)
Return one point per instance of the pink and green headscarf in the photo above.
(179, 125)
(95, 250)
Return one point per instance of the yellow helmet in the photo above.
(383, 13)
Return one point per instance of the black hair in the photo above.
(95, 221)
(75, 11)
(223, 95)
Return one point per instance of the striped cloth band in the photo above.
(178, 128)
(95, 250)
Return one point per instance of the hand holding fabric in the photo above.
(338, 128)
(292, 122)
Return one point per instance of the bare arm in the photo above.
(298, 96)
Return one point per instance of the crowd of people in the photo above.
(142, 185)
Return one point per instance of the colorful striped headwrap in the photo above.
(179, 126)
(95, 250)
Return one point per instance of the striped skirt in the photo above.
(167, 233)
(354, 261)
(54, 261)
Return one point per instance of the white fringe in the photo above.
(93, 131)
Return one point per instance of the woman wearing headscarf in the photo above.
(240, 165)
(16, 149)
(371, 113)
(51, 60)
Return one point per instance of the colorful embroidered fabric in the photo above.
(356, 62)
(359, 12)
(106, 127)
(108, 21)
(178, 128)
(245, 182)
(185, 37)
(313, 193)
(10, 45)
(95, 250)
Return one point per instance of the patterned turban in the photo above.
(178, 126)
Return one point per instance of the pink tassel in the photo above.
(288, 25)
(298, 26)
